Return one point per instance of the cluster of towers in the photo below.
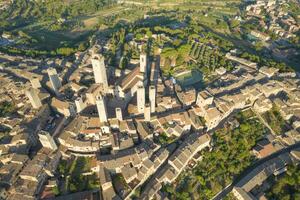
(33, 92)
(146, 105)
(100, 76)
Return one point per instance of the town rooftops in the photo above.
(131, 79)
(75, 125)
(58, 104)
(95, 88)
(129, 173)
(19, 158)
(241, 194)
(93, 122)
(264, 148)
(204, 94)
(268, 71)
(143, 130)
(105, 178)
(212, 113)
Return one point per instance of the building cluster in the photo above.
(121, 113)
(135, 165)
(175, 164)
(249, 86)
(25, 177)
(21, 176)
(28, 153)
(280, 21)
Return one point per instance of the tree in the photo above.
(65, 51)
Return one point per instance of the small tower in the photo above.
(101, 107)
(152, 98)
(33, 97)
(147, 113)
(141, 97)
(54, 80)
(35, 83)
(143, 63)
(119, 114)
(47, 140)
(80, 105)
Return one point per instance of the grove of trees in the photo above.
(230, 156)
(286, 187)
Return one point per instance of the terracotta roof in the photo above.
(131, 79)
(90, 131)
(93, 122)
(59, 104)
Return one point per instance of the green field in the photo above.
(193, 78)
(67, 24)
(55, 24)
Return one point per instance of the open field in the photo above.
(202, 5)
(51, 32)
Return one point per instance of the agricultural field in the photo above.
(63, 27)
(207, 59)
(67, 24)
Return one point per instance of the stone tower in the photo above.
(101, 107)
(99, 70)
(141, 99)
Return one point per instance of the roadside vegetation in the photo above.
(262, 61)
(287, 186)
